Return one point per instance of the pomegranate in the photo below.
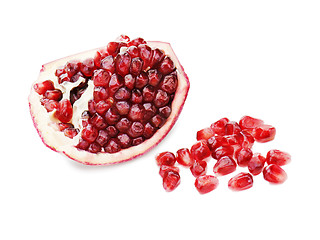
(120, 101)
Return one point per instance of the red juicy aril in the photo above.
(119, 101)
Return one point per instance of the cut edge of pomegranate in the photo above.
(56, 140)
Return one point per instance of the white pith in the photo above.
(55, 139)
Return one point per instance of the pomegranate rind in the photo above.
(56, 140)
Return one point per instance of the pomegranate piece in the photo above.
(132, 89)
(232, 127)
(243, 156)
(224, 166)
(42, 87)
(249, 123)
(240, 182)
(278, 157)
(214, 142)
(206, 183)
(198, 168)
(200, 151)
(205, 134)
(165, 158)
(274, 174)
(184, 158)
(264, 133)
(164, 170)
(256, 164)
(219, 127)
(171, 180)
(222, 151)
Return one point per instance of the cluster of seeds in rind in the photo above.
(134, 86)
(230, 144)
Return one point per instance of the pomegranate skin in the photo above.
(59, 143)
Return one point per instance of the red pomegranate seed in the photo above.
(232, 127)
(264, 133)
(165, 158)
(240, 182)
(63, 126)
(94, 148)
(113, 48)
(165, 111)
(228, 140)
(83, 144)
(124, 140)
(59, 71)
(169, 83)
(219, 127)
(133, 51)
(92, 106)
(184, 157)
(112, 146)
(145, 54)
(136, 130)
(42, 87)
(54, 94)
(205, 134)
(123, 93)
(102, 137)
(136, 112)
(71, 68)
(136, 66)
(76, 77)
(101, 78)
(122, 63)
(108, 64)
(161, 99)
(129, 81)
(214, 142)
(157, 56)
(141, 80)
(249, 123)
(198, 168)
(64, 111)
(122, 107)
(222, 151)
(148, 93)
(166, 66)
(103, 106)
(278, 157)
(200, 151)
(206, 183)
(136, 96)
(149, 111)
(100, 93)
(148, 131)
(87, 67)
(243, 156)
(245, 139)
(123, 125)
(165, 168)
(64, 78)
(98, 121)
(71, 132)
(50, 105)
(123, 38)
(111, 116)
(256, 164)
(136, 42)
(274, 174)
(157, 121)
(116, 82)
(224, 166)
(171, 181)
(89, 133)
(137, 141)
(154, 77)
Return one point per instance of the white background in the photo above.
(258, 58)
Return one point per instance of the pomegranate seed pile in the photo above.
(134, 86)
(230, 144)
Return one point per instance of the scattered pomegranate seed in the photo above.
(249, 123)
(274, 174)
(222, 151)
(206, 183)
(171, 180)
(198, 168)
(219, 127)
(241, 181)
(164, 169)
(166, 158)
(264, 133)
(232, 127)
(224, 166)
(200, 151)
(278, 157)
(256, 164)
(184, 157)
(243, 156)
(205, 134)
